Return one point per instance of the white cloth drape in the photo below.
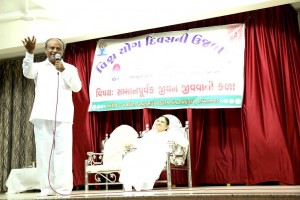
(142, 167)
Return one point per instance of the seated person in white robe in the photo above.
(143, 166)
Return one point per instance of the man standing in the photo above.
(52, 114)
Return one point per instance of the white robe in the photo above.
(142, 167)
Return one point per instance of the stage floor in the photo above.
(205, 192)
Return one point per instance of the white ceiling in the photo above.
(78, 20)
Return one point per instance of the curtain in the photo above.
(255, 144)
(270, 114)
(17, 147)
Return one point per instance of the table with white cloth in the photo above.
(20, 180)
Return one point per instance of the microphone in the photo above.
(57, 57)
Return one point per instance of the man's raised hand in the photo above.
(29, 44)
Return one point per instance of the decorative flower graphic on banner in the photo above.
(236, 32)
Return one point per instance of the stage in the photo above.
(177, 193)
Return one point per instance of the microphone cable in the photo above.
(53, 141)
(53, 146)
